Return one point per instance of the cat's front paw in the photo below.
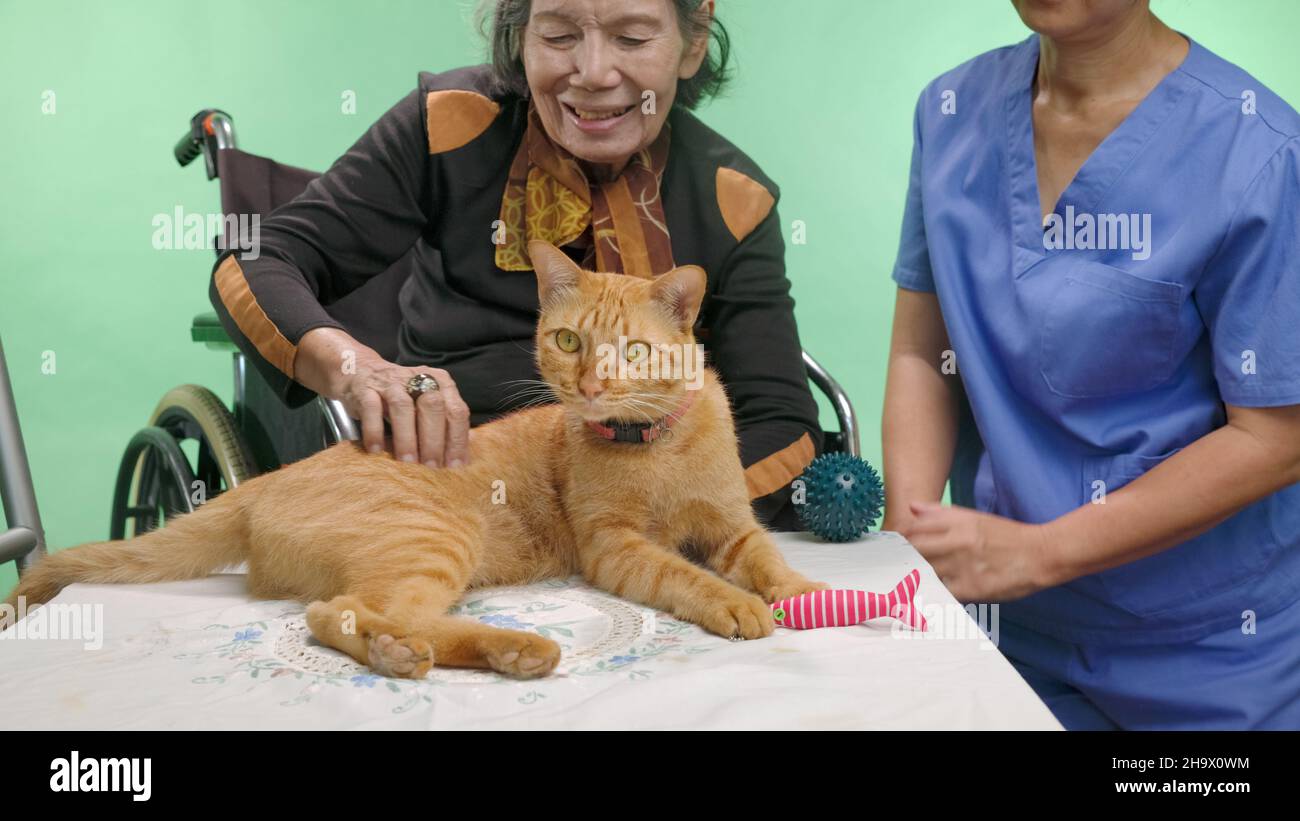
(400, 657)
(738, 616)
(790, 587)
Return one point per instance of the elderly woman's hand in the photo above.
(433, 429)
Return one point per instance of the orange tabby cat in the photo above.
(382, 548)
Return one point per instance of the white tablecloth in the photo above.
(202, 654)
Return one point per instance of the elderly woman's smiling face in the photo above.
(589, 64)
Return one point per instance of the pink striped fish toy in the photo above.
(844, 608)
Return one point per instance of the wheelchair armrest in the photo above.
(206, 328)
(338, 424)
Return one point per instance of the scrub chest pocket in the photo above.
(1106, 332)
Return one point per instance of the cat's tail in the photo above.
(190, 546)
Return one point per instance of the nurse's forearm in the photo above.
(919, 432)
(1255, 454)
(919, 425)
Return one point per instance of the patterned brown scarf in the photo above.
(620, 222)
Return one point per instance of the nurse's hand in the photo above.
(978, 556)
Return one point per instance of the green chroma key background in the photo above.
(823, 101)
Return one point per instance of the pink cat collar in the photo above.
(618, 431)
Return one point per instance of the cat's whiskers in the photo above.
(662, 404)
(531, 391)
(528, 395)
(535, 402)
(646, 416)
(636, 403)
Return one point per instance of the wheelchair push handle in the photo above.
(210, 131)
(186, 150)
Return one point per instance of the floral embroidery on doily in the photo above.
(599, 634)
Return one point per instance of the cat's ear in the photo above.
(555, 271)
(681, 291)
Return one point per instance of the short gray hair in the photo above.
(502, 23)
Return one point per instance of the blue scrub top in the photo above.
(1091, 354)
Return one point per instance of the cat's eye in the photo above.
(636, 351)
(567, 340)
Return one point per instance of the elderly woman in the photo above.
(1101, 236)
(579, 133)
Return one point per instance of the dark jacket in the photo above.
(432, 172)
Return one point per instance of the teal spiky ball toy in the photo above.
(842, 497)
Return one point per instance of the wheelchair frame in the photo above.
(24, 538)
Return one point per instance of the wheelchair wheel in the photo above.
(156, 481)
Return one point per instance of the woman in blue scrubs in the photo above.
(1097, 340)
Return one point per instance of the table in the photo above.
(201, 654)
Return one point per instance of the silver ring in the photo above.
(420, 384)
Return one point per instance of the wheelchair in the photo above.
(156, 477)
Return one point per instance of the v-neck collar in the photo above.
(1099, 171)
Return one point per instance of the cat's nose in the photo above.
(591, 387)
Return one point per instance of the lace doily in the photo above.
(586, 623)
